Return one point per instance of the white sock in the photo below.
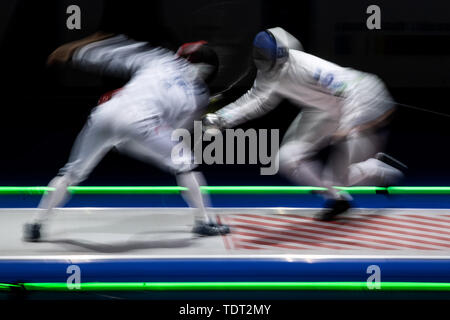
(193, 196)
(52, 199)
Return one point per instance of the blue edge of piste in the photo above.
(225, 269)
(230, 270)
(414, 269)
(234, 200)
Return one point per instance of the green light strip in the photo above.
(23, 190)
(260, 189)
(223, 190)
(127, 190)
(419, 190)
(7, 286)
(237, 286)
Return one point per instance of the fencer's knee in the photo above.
(190, 175)
(180, 165)
(284, 159)
(63, 181)
(291, 156)
(182, 168)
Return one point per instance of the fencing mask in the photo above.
(271, 48)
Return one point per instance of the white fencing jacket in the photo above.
(353, 96)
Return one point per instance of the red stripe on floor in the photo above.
(359, 231)
(335, 235)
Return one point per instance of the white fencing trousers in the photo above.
(147, 139)
(351, 162)
(309, 133)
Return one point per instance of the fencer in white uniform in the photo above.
(166, 91)
(336, 103)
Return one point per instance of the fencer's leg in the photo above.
(307, 135)
(373, 171)
(156, 146)
(57, 196)
(90, 146)
(204, 224)
(193, 195)
(369, 167)
(299, 166)
(308, 171)
(336, 168)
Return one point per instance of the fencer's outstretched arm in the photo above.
(259, 100)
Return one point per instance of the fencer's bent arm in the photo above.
(64, 53)
(117, 56)
(259, 100)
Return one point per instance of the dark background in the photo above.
(43, 109)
